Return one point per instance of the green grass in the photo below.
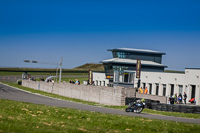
(81, 79)
(177, 114)
(31, 118)
(2, 73)
(148, 111)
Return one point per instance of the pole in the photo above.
(61, 61)
(57, 72)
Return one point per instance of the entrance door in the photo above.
(126, 77)
(144, 85)
(150, 88)
(164, 90)
(193, 91)
(172, 90)
(157, 89)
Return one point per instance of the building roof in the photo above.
(131, 61)
(136, 50)
(193, 68)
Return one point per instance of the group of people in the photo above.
(180, 98)
(77, 82)
(143, 91)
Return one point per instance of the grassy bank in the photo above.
(31, 118)
(149, 111)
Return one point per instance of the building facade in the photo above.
(153, 76)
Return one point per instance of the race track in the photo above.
(11, 93)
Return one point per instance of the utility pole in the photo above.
(52, 63)
(57, 73)
(61, 61)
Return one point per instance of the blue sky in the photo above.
(81, 31)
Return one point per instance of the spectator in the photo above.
(175, 98)
(77, 82)
(70, 81)
(185, 97)
(140, 90)
(180, 98)
(146, 91)
(42, 79)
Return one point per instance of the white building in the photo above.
(158, 82)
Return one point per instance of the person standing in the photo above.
(146, 91)
(140, 90)
(175, 98)
(180, 98)
(185, 97)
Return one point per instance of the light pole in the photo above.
(61, 62)
(57, 72)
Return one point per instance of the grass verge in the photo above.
(27, 117)
(148, 111)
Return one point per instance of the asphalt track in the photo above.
(12, 93)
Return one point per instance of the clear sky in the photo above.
(81, 31)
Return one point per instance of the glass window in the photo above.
(180, 89)
(123, 77)
(131, 78)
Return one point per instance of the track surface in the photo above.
(11, 93)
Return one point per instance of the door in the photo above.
(193, 91)
(172, 90)
(150, 88)
(144, 85)
(164, 90)
(157, 89)
(126, 77)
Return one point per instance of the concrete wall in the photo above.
(99, 94)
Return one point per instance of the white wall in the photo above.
(100, 78)
(190, 78)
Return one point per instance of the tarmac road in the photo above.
(11, 93)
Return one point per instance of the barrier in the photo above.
(99, 94)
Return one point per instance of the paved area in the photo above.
(11, 93)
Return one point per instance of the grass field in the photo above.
(149, 111)
(3, 73)
(30, 118)
(40, 71)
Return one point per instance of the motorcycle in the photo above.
(136, 107)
